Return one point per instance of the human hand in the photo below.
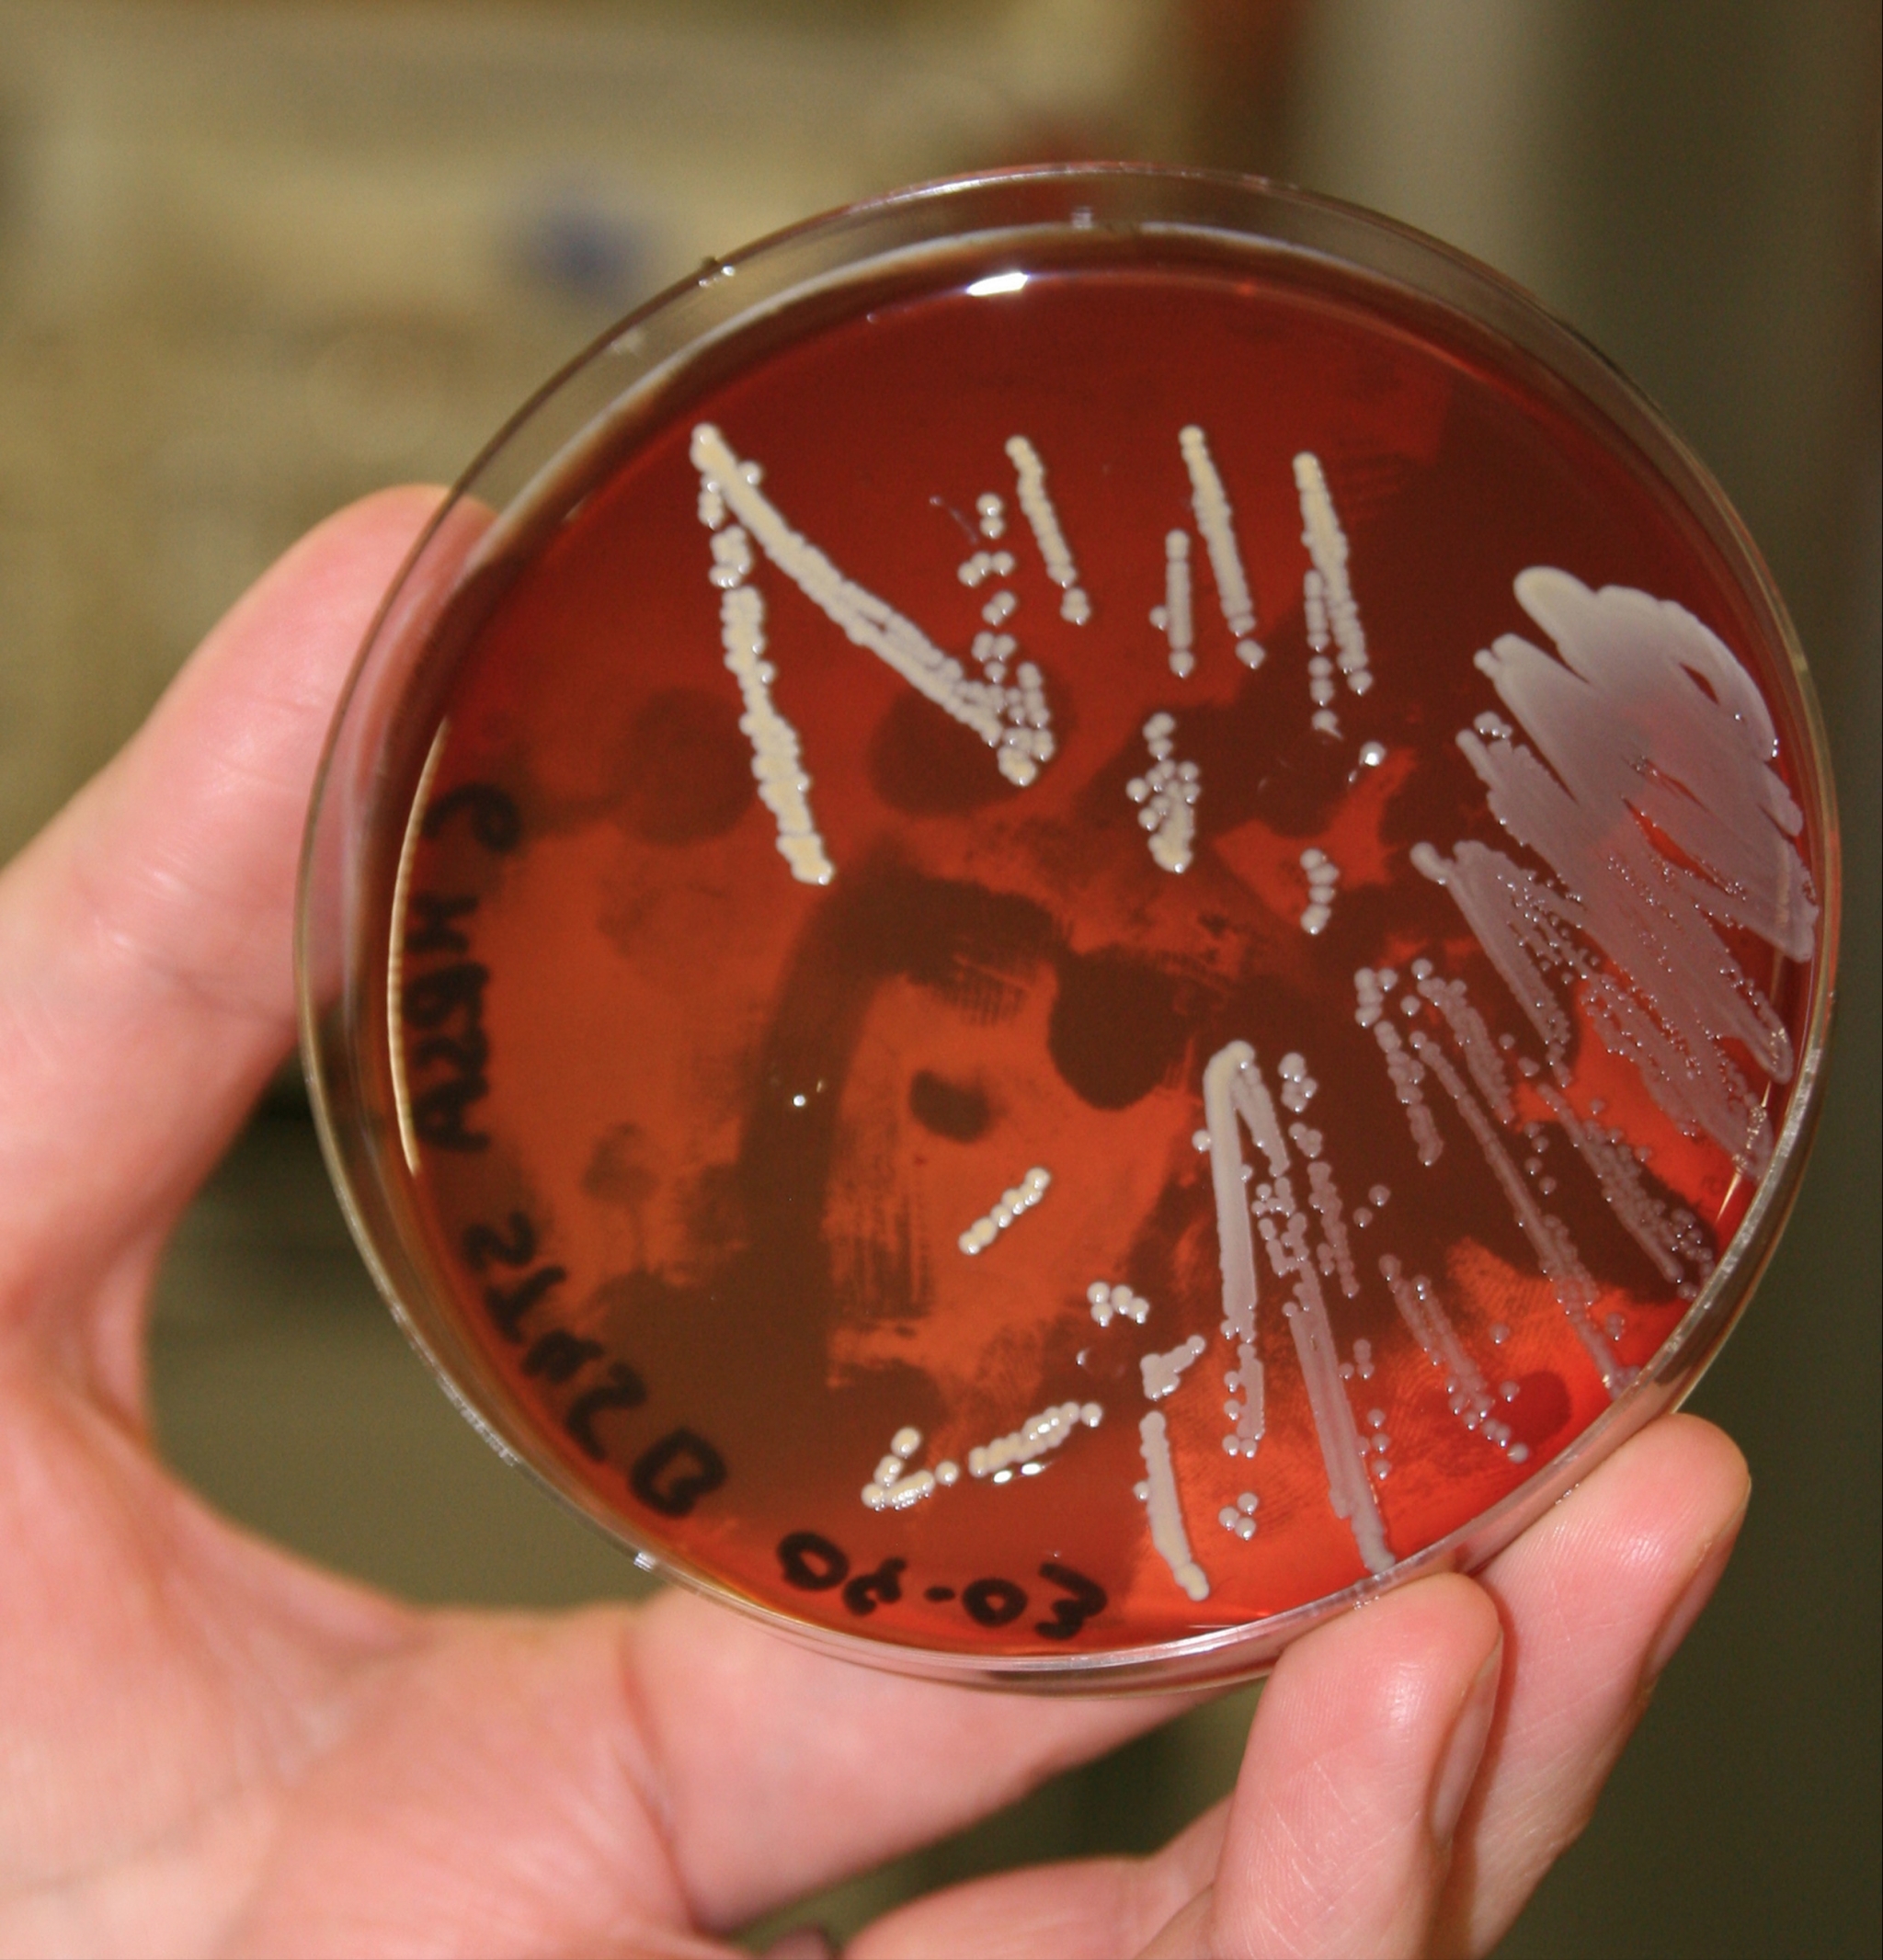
(211, 1748)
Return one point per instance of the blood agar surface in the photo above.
(1078, 951)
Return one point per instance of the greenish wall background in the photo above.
(1695, 184)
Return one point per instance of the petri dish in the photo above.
(1070, 916)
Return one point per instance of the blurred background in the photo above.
(256, 259)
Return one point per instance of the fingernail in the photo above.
(1465, 1751)
(1698, 1592)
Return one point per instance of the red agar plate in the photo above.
(1068, 918)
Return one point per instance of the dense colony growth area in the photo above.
(1080, 954)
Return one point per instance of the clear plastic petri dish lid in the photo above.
(1070, 916)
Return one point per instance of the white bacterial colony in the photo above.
(1323, 875)
(1029, 477)
(1298, 1087)
(1172, 617)
(1335, 1254)
(1646, 720)
(1349, 1489)
(1668, 1238)
(980, 566)
(1467, 1394)
(895, 1487)
(1470, 1035)
(1017, 1199)
(1321, 690)
(1216, 520)
(1327, 546)
(784, 787)
(994, 650)
(1234, 1090)
(1159, 1491)
(1248, 1415)
(1109, 1301)
(991, 515)
(1166, 795)
(1526, 927)
(1013, 720)
(1239, 1517)
(1549, 1240)
(1371, 988)
(1162, 1373)
(1328, 606)
(1374, 1442)
(1032, 1440)
(1403, 1070)
(1408, 1079)
(1000, 608)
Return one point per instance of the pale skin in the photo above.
(211, 1748)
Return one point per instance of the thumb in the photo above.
(1364, 1750)
(147, 983)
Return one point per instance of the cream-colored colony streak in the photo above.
(1234, 1092)
(1324, 1199)
(1646, 724)
(1166, 795)
(1013, 720)
(1162, 1373)
(1229, 1085)
(1034, 1437)
(895, 1487)
(1467, 1394)
(1471, 1036)
(1369, 990)
(1336, 1257)
(1344, 1456)
(1013, 1201)
(1159, 1492)
(1402, 1070)
(1327, 546)
(1550, 1239)
(1172, 619)
(1349, 1489)
(1320, 669)
(1524, 925)
(1030, 479)
(1323, 877)
(784, 786)
(1216, 522)
(1668, 1238)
